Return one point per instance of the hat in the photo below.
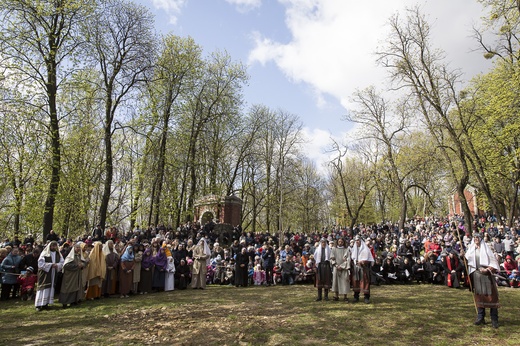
(30, 269)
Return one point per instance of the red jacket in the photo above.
(27, 282)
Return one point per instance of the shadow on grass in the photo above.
(280, 315)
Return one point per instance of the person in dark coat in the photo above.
(433, 271)
(182, 275)
(241, 268)
(269, 258)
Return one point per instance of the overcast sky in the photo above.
(307, 57)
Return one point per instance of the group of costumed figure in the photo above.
(343, 268)
(94, 275)
(339, 269)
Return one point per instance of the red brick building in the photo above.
(223, 210)
(455, 207)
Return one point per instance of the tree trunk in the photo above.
(109, 168)
(54, 127)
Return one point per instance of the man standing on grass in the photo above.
(340, 260)
(363, 259)
(50, 263)
(482, 265)
(323, 270)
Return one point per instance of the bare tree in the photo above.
(121, 43)
(37, 39)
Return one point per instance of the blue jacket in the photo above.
(7, 266)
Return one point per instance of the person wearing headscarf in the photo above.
(201, 261)
(97, 270)
(50, 263)
(340, 261)
(482, 265)
(71, 285)
(323, 270)
(112, 262)
(126, 271)
(363, 259)
(138, 258)
(169, 278)
(161, 264)
(145, 281)
(85, 254)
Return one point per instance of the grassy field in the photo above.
(280, 315)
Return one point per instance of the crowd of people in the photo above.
(111, 264)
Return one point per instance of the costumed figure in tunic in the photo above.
(97, 269)
(71, 285)
(138, 253)
(482, 265)
(323, 269)
(126, 271)
(112, 261)
(363, 259)
(85, 255)
(201, 261)
(340, 261)
(145, 283)
(169, 283)
(160, 262)
(50, 263)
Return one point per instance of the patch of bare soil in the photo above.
(199, 324)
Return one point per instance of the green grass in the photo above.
(280, 315)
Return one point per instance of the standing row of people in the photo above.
(339, 269)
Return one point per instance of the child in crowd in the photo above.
(258, 275)
(27, 283)
(514, 279)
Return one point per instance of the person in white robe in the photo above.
(340, 261)
(169, 278)
(50, 263)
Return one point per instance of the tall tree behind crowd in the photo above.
(121, 43)
(419, 68)
(38, 41)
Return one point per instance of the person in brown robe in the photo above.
(112, 261)
(201, 257)
(126, 271)
(71, 286)
(96, 271)
(363, 260)
(482, 265)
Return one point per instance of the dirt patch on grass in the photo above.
(201, 324)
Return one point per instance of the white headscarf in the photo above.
(317, 252)
(47, 250)
(207, 251)
(70, 256)
(171, 265)
(487, 257)
(362, 252)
